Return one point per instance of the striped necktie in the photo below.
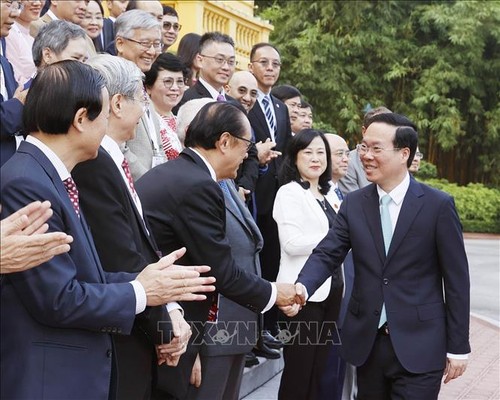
(266, 101)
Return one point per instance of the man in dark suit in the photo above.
(188, 208)
(11, 97)
(57, 319)
(265, 64)
(408, 316)
(122, 239)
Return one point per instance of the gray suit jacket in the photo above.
(139, 151)
(236, 329)
(355, 178)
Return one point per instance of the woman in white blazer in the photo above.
(304, 211)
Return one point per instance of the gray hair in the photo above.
(55, 35)
(134, 19)
(186, 114)
(122, 76)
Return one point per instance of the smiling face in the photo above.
(137, 53)
(237, 151)
(243, 88)
(93, 21)
(31, 11)
(75, 50)
(339, 155)
(388, 167)
(170, 29)
(164, 97)
(311, 162)
(216, 74)
(8, 13)
(69, 10)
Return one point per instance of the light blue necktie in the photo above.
(385, 219)
(269, 114)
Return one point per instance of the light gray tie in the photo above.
(385, 219)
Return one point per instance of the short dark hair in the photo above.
(258, 46)
(167, 10)
(211, 122)
(305, 104)
(56, 94)
(285, 92)
(290, 173)
(164, 62)
(217, 37)
(374, 111)
(406, 132)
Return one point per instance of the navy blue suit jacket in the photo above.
(57, 318)
(426, 255)
(11, 111)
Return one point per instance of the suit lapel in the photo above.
(411, 206)
(259, 120)
(372, 215)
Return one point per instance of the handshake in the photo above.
(291, 298)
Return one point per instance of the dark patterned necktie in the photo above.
(128, 174)
(70, 186)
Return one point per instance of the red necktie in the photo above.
(126, 169)
(70, 186)
(166, 144)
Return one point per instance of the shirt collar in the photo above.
(214, 93)
(399, 192)
(113, 149)
(51, 14)
(61, 169)
(210, 169)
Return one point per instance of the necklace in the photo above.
(322, 203)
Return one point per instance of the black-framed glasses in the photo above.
(250, 143)
(376, 150)
(169, 25)
(147, 44)
(264, 62)
(231, 62)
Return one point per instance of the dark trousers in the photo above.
(306, 356)
(383, 377)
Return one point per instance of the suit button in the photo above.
(376, 312)
(386, 281)
(109, 353)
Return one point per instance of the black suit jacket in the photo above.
(108, 32)
(267, 184)
(123, 244)
(185, 207)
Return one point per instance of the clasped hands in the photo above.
(291, 298)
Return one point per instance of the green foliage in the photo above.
(477, 205)
(426, 170)
(437, 62)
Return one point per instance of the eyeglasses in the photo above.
(146, 44)
(341, 153)
(15, 5)
(231, 62)
(376, 150)
(250, 142)
(419, 155)
(264, 62)
(144, 102)
(169, 82)
(169, 25)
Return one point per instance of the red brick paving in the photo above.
(481, 380)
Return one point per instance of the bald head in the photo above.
(243, 87)
(153, 7)
(340, 155)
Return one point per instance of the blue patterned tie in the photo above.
(385, 219)
(269, 114)
(339, 193)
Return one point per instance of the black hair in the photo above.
(167, 10)
(217, 37)
(211, 122)
(58, 92)
(290, 173)
(258, 46)
(285, 92)
(164, 62)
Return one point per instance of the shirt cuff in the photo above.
(140, 297)
(174, 306)
(458, 356)
(272, 300)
